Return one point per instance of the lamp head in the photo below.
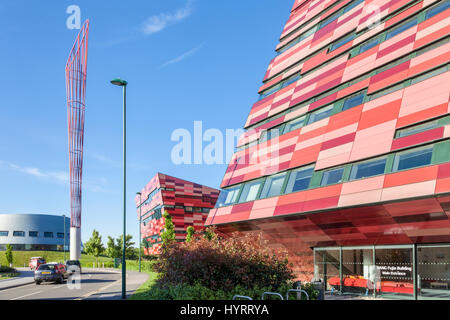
(119, 82)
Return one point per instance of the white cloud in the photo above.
(157, 23)
(181, 57)
(95, 185)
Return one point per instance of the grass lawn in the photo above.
(4, 276)
(23, 257)
(140, 293)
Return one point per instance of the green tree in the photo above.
(113, 250)
(168, 235)
(9, 254)
(210, 234)
(94, 246)
(190, 234)
(129, 249)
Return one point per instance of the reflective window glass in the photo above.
(353, 101)
(299, 179)
(368, 169)
(294, 124)
(332, 176)
(416, 129)
(272, 186)
(250, 191)
(413, 159)
(438, 9)
(369, 45)
(401, 28)
(320, 114)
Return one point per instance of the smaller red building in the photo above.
(187, 202)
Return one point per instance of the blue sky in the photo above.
(184, 60)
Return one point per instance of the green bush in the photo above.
(7, 269)
(240, 261)
(199, 292)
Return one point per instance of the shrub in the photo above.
(199, 292)
(241, 261)
(6, 269)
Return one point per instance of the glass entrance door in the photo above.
(433, 271)
(394, 272)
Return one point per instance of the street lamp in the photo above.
(140, 224)
(64, 230)
(122, 83)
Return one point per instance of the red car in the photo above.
(35, 262)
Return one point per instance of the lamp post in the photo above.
(64, 230)
(140, 223)
(123, 84)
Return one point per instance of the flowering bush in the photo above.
(243, 261)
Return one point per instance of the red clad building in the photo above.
(346, 158)
(188, 203)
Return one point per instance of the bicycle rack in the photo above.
(271, 293)
(297, 290)
(242, 297)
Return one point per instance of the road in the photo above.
(94, 284)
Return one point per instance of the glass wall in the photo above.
(327, 267)
(395, 270)
(433, 272)
(392, 272)
(357, 270)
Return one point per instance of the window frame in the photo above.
(341, 180)
(396, 162)
(270, 179)
(355, 165)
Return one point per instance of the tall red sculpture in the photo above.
(76, 69)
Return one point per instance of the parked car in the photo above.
(73, 266)
(35, 262)
(51, 272)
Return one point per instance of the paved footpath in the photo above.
(95, 284)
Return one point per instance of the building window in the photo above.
(19, 234)
(332, 176)
(4, 233)
(320, 114)
(401, 28)
(299, 179)
(352, 5)
(413, 158)
(353, 101)
(368, 169)
(48, 234)
(196, 209)
(369, 45)
(429, 74)
(272, 186)
(270, 134)
(290, 81)
(250, 191)
(294, 124)
(206, 210)
(228, 196)
(188, 209)
(60, 234)
(342, 42)
(438, 9)
(33, 234)
(416, 129)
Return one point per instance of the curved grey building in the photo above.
(34, 231)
